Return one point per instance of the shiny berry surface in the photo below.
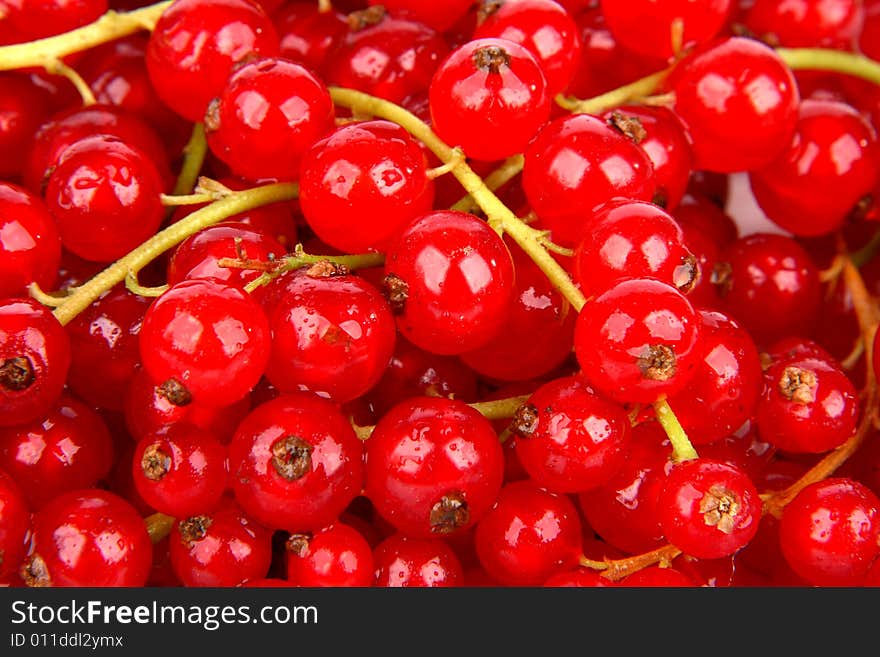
(335, 556)
(404, 562)
(30, 246)
(15, 519)
(806, 23)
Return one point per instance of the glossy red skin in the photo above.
(69, 126)
(528, 536)
(868, 41)
(105, 198)
(105, 348)
(604, 64)
(543, 27)
(116, 73)
(362, 183)
(92, 538)
(268, 115)
(199, 255)
(24, 107)
(577, 163)
(806, 23)
(393, 59)
(773, 289)
(631, 239)
(460, 277)
(615, 329)
(703, 294)
(196, 476)
(813, 427)
(195, 46)
(307, 35)
(579, 578)
(684, 523)
(831, 165)
(491, 114)
(36, 19)
(234, 550)
(743, 449)
(440, 16)
(646, 26)
(580, 440)
(333, 336)
(67, 449)
(657, 577)
(829, 533)
(15, 520)
(623, 511)
(724, 392)
(539, 333)
(414, 372)
(731, 88)
(212, 338)
(146, 411)
(29, 330)
(336, 556)
(428, 447)
(404, 562)
(316, 499)
(706, 216)
(30, 246)
(669, 148)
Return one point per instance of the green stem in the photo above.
(109, 27)
(641, 88)
(682, 449)
(194, 154)
(500, 217)
(509, 170)
(171, 236)
(823, 59)
(301, 259)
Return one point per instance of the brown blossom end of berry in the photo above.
(798, 385)
(175, 392)
(491, 59)
(155, 463)
(298, 544)
(17, 374)
(449, 514)
(687, 274)
(396, 291)
(292, 457)
(364, 18)
(194, 529)
(525, 421)
(35, 573)
(629, 126)
(720, 507)
(657, 362)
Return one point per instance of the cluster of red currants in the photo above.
(534, 348)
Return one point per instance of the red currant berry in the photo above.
(543, 27)
(731, 88)
(808, 405)
(37, 19)
(335, 556)
(24, 107)
(105, 198)
(829, 532)
(308, 35)
(440, 17)
(401, 561)
(69, 448)
(450, 279)
(806, 23)
(30, 246)
(105, 349)
(528, 536)
(649, 27)
(639, 340)
(539, 332)
(704, 215)
(633, 239)
(295, 463)
(199, 255)
(34, 360)
(88, 538)
(180, 470)
(149, 408)
(208, 341)
(195, 45)
(433, 466)
(331, 334)
(268, 115)
(724, 392)
(392, 57)
(489, 97)
(833, 163)
(770, 285)
(220, 549)
(709, 509)
(577, 163)
(569, 439)
(15, 520)
(362, 183)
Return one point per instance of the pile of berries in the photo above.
(405, 293)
